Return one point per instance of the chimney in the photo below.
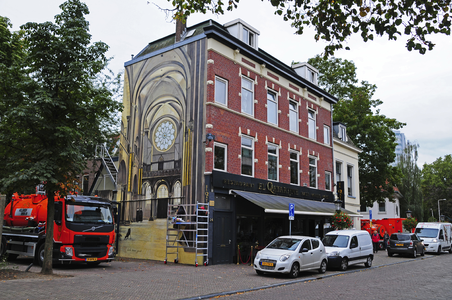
(181, 27)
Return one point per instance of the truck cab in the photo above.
(436, 236)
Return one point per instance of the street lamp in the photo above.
(337, 204)
(439, 212)
(408, 214)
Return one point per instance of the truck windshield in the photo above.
(427, 232)
(88, 214)
(340, 241)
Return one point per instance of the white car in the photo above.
(290, 255)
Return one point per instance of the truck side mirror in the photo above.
(58, 212)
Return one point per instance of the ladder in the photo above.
(187, 228)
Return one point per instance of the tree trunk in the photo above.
(48, 247)
(2, 211)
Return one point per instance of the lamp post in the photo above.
(439, 212)
(337, 204)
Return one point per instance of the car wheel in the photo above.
(414, 252)
(294, 271)
(368, 263)
(344, 264)
(322, 268)
(439, 250)
(450, 250)
(259, 272)
(423, 251)
(390, 254)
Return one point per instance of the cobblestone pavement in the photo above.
(143, 279)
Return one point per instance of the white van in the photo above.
(348, 247)
(436, 236)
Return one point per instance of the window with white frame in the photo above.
(294, 169)
(247, 156)
(248, 37)
(327, 181)
(381, 207)
(312, 172)
(221, 91)
(272, 162)
(293, 116)
(272, 107)
(311, 124)
(350, 180)
(342, 133)
(247, 96)
(338, 171)
(220, 156)
(326, 134)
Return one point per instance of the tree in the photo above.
(63, 112)
(410, 185)
(437, 184)
(336, 21)
(369, 131)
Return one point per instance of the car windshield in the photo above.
(400, 237)
(99, 214)
(427, 232)
(284, 244)
(340, 241)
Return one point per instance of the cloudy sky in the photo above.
(415, 89)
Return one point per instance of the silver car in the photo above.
(290, 255)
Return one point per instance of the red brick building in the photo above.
(214, 119)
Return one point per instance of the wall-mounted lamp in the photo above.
(209, 137)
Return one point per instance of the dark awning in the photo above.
(280, 205)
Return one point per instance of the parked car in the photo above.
(405, 243)
(290, 255)
(348, 247)
(437, 236)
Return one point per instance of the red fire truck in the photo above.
(389, 225)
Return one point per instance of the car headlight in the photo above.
(435, 240)
(333, 253)
(68, 251)
(111, 251)
(284, 257)
(258, 255)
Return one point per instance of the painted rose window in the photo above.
(164, 135)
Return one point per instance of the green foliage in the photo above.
(410, 185)
(432, 219)
(437, 184)
(341, 220)
(369, 131)
(409, 224)
(60, 107)
(336, 21)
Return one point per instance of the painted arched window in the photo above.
(162, 192)
(177, 193)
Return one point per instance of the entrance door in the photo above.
(222, 238)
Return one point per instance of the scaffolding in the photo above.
(188, 228)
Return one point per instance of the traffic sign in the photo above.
(291, 211)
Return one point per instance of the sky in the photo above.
(415, 89)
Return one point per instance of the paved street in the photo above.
(426, 277)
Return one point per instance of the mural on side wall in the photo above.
(161, 152)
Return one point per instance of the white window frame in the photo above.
(313, 167)
(297, 161)
(350, 178)
(251, 148)
(225, 147)
(293, 116)
(248, 37)
(274, 155)
(328, 181)
(244, 90)
(339, 175)
(312, 124)
(271, 102)
(326, 134)
(342, 133)
(225, 96)
(381, 207)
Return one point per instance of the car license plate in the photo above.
(401, 245)
(268, 264)
(91, 259)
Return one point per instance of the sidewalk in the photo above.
(138, 279)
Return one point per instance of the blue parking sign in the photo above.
(291, 211)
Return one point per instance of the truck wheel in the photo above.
(368, 262)
(344, 264)
(40, 255)
(439, 250)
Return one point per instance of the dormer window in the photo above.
(306, 71)
(244, 32)
(342, 133)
